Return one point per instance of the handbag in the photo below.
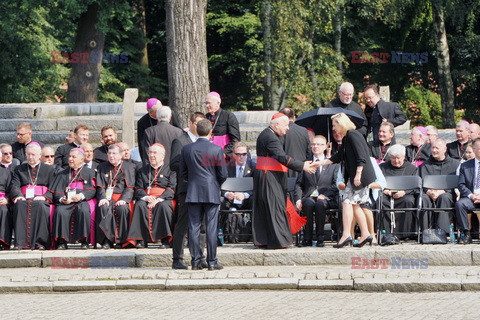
(434, 236)
(388, 239)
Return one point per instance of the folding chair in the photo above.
(238, 185)
(441, 182)
(403, 183)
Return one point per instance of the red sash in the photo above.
(270, 164)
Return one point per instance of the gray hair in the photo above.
(435, 130)
(463, 123)
(35, 147)
(397, 150)
(164, 113)
(116, 147)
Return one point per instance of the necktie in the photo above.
(477, 184)
(317, 173)
(240, 172)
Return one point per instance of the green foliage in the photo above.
(422, 106)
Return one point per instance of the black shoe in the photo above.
(16, 248)
(197, 266)
(106, 245)
(84, 245)
(344, 243)
(140, 245)
(215, 266)
(307, 243)
(118, 246)
(320, 244)
(368, 240)
(204, 264)
(467, 239)
(40, 247)
(62, 246)
(178, 264)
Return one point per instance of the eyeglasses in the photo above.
(346, 95)
(207, 102)
(7, 153)
(241, 154)
(49, 156)
(22, 134)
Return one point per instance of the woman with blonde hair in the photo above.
(358, 173)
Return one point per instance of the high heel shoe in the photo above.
(349, 240)
(361, 244)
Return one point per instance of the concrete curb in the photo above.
(393, 285)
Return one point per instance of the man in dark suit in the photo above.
(88, 149)
(457, 149)
(381, 111)
(345, 101)
(469, 186)
(296, 142)
(240, 166)
(81, 135)
(181, 225)
(202, 165)
(163, 133)
(316, 192)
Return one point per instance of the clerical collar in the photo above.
(152, 117)
(156, 166)
(76, 145)
(204, 138)
(318, 159)
(192, 136)
(385, 144)
(36, 164)
(116, 164)
(77, 168)
(7, 164)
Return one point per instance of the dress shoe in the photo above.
(62, 246)
(106, 245)
(178, 264)
(40, 247)
(197, 266)
(344, 243)
(368, 240)
(467, 238)
(215, 266)
(320, 244)
(84, 245)
(307, 243)
(140, 245)
(204, 263)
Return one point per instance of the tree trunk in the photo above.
(337, 27)
(85, 73)
(139, 8)
(447, 92)
(274, 96)
(188, 82)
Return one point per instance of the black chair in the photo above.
(404, 183)
(238, 185)
(441, 182)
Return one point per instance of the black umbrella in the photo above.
(320, 120)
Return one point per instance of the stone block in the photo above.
(17, 111)
(50, 110)
(233, 284)
(160, 258)
(21, 260)
(326, 284)
(77, 109)
(93, 123)
(10, 125)
(25, 287)
(407, 285)
(62, 286)
(245, 258)
(140, 285)
(471, 284)
(432, 255)
(316, 257)
(106, 108)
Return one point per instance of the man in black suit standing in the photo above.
(181, 225)
(163, 132)
(239, 167)
(469, 186)
(316, 192)
(345, 101)
(296, 141)
(381, 111)
(202, 165)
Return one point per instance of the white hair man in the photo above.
(457, 149)
(418, 150)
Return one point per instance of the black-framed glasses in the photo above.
(7, 153)
(207, 102)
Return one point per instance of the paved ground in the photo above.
(241, 305)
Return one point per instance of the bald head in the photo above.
(439, 149)
(474, 131)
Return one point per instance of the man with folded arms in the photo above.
(115, 183)
(72, 189)
(62, 155)
(31, 201)
(154, 191)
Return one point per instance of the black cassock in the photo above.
(270, 222)
(112, 221)
(152, 225)
(71, 222)
(5, 216)
(31, 218)
(100, 154)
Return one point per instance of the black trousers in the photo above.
(319, 207)
(438, 219)
(404, 221)
(462, 208)
(196, 213)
